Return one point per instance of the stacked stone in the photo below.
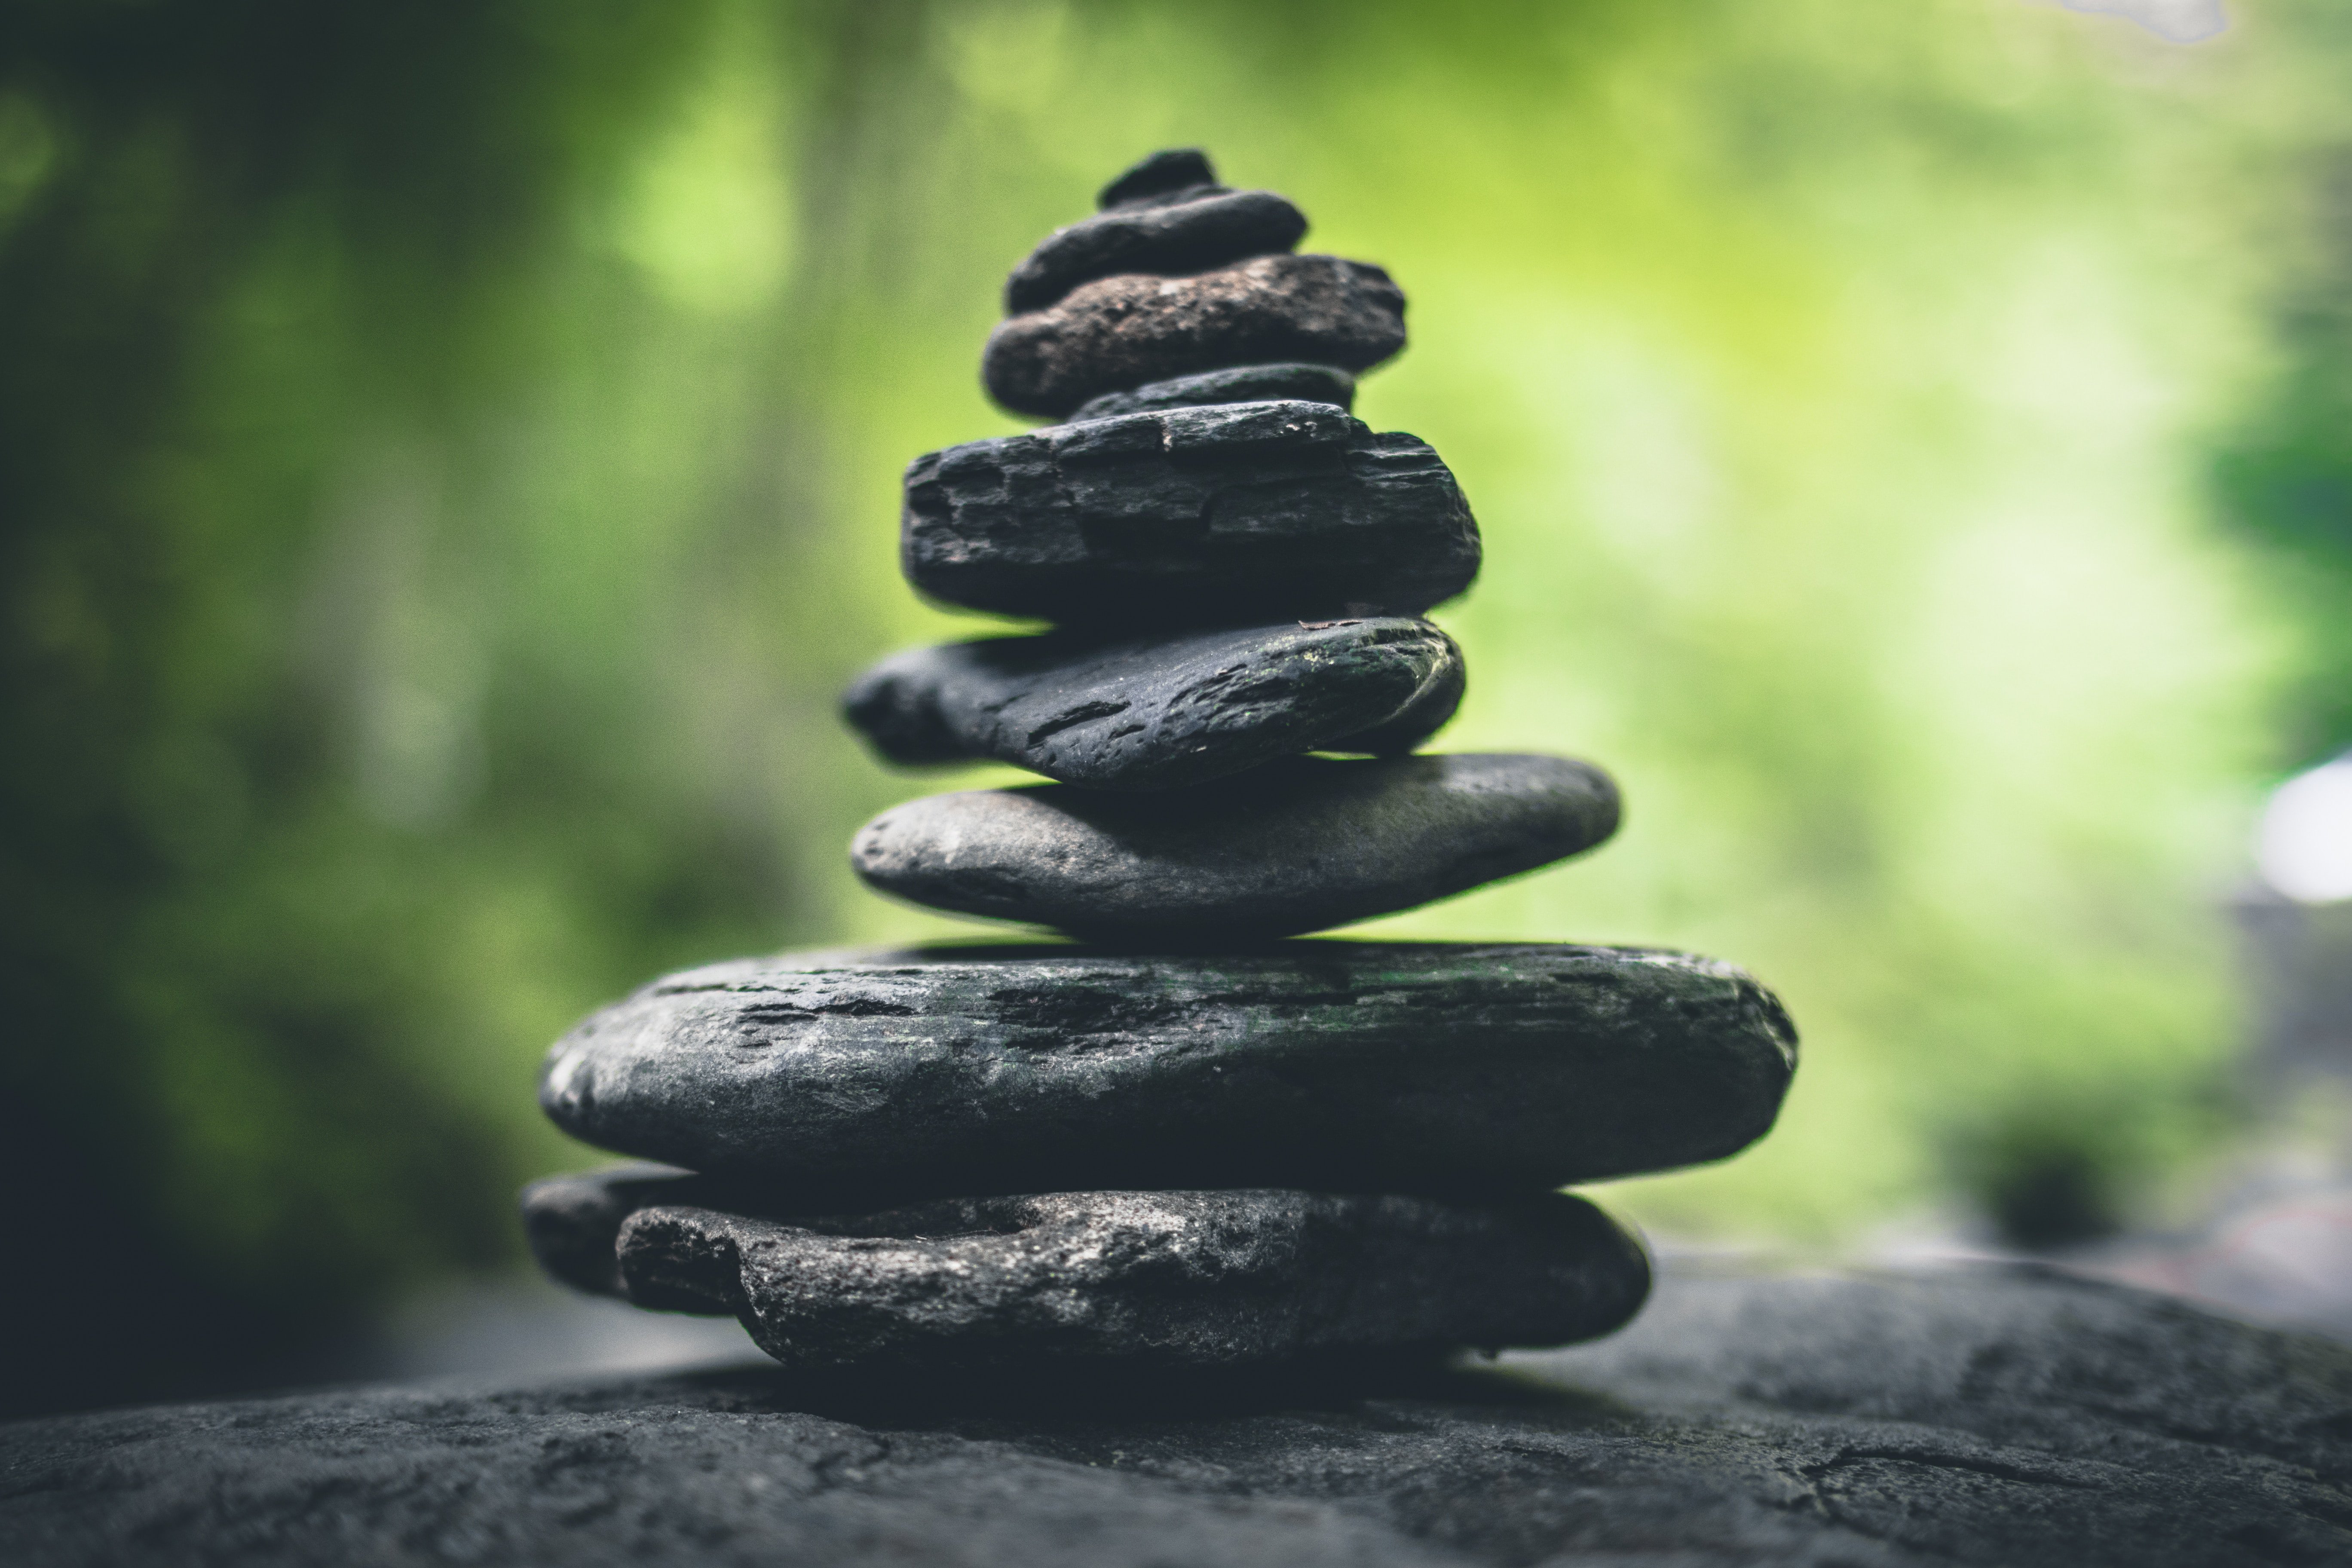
(1184, 1139)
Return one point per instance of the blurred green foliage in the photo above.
(447, 464)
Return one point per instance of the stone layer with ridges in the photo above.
(1191, 516)
(1161, 711)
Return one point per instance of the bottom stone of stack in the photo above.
(1201, 1279)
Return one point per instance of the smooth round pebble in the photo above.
(1208, 228)
(1170, 174)
(1296, 845)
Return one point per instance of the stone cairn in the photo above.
(1184, 1140)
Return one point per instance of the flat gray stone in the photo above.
(1207, 227)
(1201, 1279)
(1155, 712)
(1973, 1417)
(1123, 331)
(843, 1082)
(1291, 382)
(1196, 515)
(1300, 845)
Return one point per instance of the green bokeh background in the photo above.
(449, 457)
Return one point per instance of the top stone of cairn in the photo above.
(1178, 275)
(1168, 215)
(1206, 472)
(1168, 175)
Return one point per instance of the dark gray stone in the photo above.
(1163, 177)
(572, 1222)
(1201, 1279)
(1973, 1417)
(842, 1082)
(1300, 845)
(1198, 516)
(1156, 712)
(1288, 382)
(1120, 332)
(1207, 229)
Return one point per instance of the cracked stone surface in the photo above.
(1205, 226)
(1120, 332)
(1196, 515)
(1171, 1278)
(1299, 845)
(1161, 711)
(846, 1081)
(1981, 1417)
(1291, 382)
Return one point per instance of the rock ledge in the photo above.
(1967, 1417)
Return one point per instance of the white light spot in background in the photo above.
(2179, 21)
(2305, 847)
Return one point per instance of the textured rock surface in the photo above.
(1182, 1277)
(573, 1223)
(1211, 228)
(1982, 1418)
(845, 1081)
(1156, 712)
(1300, 845)
(1121, 331)
(1199, 514)
(1292, 381)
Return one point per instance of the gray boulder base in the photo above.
(1124, 331)
(1157, 712)
(1197, 516)
(1300, 845)
(1198, 1278)
(852, 1082)
(1980, 1418)
(1292, 381)
(1208, 228)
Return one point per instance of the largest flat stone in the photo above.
(1197, 514)
(1159, 711)
(841, 1083)
(1963, 1418)
(1299, 845)
(1200, 1278)
(1123, 331)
